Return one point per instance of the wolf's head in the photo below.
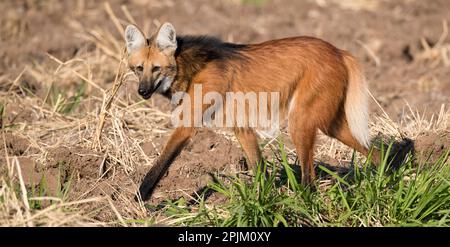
(152, 60)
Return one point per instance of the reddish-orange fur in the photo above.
(311, 75)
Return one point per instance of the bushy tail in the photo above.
(356, 103)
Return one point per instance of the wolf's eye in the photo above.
(139, 68)
(156, 69)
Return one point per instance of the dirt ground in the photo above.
(402, 45)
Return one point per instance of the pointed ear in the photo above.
(134, 38)
(166, 39)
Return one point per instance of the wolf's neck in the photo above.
(195, 52)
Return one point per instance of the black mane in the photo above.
(207, 48)
(194, 52)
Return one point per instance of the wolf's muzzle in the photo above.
(145, 91)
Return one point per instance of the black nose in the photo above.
(141, 91)
(144, 91)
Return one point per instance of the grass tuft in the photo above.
(411, 195)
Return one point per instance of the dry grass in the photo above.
(15, 205)
(349, 4)
(438, 54)
(47, 127)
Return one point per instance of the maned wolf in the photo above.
(319, 86)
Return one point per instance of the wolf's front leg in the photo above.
(177, 141)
